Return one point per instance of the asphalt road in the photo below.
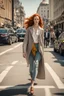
(15, 78)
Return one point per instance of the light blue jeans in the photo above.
(34, 63)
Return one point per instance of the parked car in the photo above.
(8, 36)
(59, 44)
(21, 33)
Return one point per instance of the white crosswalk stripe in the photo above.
(14, 62)
(55, 77)
(46, 88)
(4, 73)
(23, 87)
(10, 49)
(47, 92)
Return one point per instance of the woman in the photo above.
(33, 48)
(52, 36)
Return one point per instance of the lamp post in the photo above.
(12, 12)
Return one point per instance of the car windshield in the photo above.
(62, 35)
(20, 30)
(3, 31)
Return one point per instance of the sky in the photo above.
(30, 6)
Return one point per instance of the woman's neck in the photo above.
(36, 26)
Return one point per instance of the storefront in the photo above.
(59, 22)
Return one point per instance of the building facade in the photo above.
(43, 11)
(19, 13)
(51, 10)
(5, 11)
(56, 8)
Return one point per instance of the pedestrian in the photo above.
(33, 48)
(58, 32)
(46, 37)
(52, 36)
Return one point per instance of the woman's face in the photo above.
(36, 20)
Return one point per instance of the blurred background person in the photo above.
(46, 37)
(52, 36)
(58, 32)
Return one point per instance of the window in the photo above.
(48, 13)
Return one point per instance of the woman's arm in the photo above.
(42, 39)
(25, 41)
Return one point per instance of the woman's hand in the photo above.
(24, 55)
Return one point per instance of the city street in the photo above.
(15, 78)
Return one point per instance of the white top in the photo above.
(35, 35)
(46, 34)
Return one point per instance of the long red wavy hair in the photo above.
(30, 21)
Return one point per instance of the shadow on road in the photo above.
(60, 59)
(59, 94)
(16, 90)
(3, 44)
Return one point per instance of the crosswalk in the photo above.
(4, 73)
(55, 77)
(10, 49)
(47, 88)
(19, 64)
